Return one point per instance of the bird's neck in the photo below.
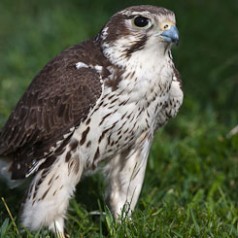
(120, 54)
(143, 74)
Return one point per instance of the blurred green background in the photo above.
(192, 175)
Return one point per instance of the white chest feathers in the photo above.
(147, 95)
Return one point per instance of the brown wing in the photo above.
(58, 99)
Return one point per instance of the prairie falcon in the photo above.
(100, 100)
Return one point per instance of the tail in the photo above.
(5, 175)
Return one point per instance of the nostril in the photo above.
(166, 26)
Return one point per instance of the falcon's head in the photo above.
(148, 28)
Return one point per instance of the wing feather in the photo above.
(58, 98)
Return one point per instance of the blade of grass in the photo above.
(11, 217)
(3, 228)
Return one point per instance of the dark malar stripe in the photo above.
(139, 45)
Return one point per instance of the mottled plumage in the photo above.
(101, 100)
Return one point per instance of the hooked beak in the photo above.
(171, 35)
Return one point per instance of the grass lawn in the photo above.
(191, 184)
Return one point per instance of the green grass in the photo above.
(191, 184)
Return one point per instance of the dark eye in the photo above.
(141, 21)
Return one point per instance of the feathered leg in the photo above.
(125, 179)
(49, 193)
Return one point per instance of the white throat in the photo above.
(148, 67)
